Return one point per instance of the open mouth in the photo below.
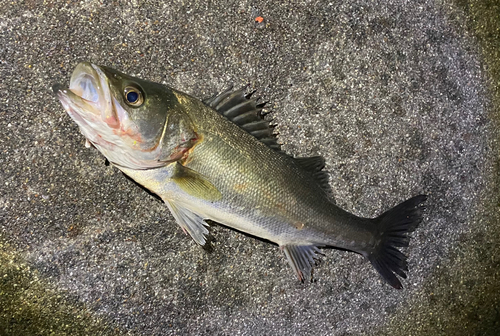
(85, 85)
(88, 95)
(88, 92)
(88, 101)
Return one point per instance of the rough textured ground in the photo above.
(398, 96)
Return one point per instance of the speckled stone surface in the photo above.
(398, 96)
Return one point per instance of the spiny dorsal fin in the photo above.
(315, 165)
(244, 111)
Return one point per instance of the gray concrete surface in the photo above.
(394, 94)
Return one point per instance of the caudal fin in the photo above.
(394, 226)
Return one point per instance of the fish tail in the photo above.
(393, 227)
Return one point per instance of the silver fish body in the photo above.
(219, 160)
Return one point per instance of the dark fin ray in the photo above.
(237, 110)
(400, 272)
(269, 141)
(301, 258)
(261, 105)
(244, 118)
(256, 126)
(189, 222)
(234, 99)
(243, 110)
(394, 226)
(261, 133)
(250, 94)
(312, 164)
(315, 165)
(217, 98)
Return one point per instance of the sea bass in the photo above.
(218, 159)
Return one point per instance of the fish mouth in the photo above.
(88, 88)
(86, 82)
(88, 102)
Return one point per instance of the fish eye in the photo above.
(133, 96)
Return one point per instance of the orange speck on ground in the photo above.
(259, 19)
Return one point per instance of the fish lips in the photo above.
(89, 103)
(89, 90)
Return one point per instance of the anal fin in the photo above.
(189, 222)
(301, 258)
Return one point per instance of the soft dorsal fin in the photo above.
(315, 165)
(244, 111)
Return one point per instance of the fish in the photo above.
(218, 159)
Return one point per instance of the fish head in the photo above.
(135, 123)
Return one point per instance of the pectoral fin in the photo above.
(301, 258)
(195, 184)
(189, 221)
